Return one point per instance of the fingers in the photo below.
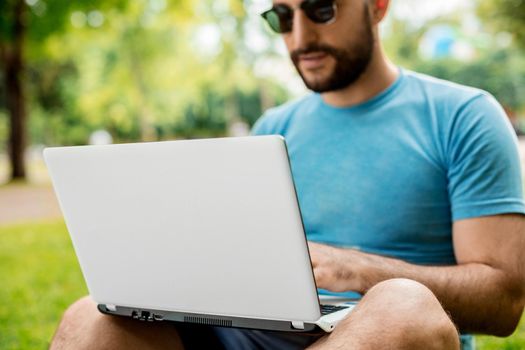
(320, 276)
(321, 265)
(330, 272)
(314, 253)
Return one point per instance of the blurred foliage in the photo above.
(143, 70)
(505, 15)
(497, 65)
(501, 73)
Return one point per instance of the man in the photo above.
(400, 177)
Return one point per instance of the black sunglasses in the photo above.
(280, 16)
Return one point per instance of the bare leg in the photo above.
(84, 327)
(394, 314)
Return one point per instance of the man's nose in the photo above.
(303, 30)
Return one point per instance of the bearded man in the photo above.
(410, 190)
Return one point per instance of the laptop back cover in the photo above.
(203, 226)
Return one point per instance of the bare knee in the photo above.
(418, 315)
(71, 329)
(402, 293)
(82, 308)
(405, 313)
(84, 327)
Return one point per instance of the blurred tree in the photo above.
(401, 41)
(501, 72)
(12, 34)
(143, 70)
(505, 15)
(495, 66)
(23, 25)
(158, 71)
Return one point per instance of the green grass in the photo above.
(40, 277)
(514, 342)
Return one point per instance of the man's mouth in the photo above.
(312, 60)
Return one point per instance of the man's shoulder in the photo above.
(442, 91)
(455, 100)
(277, 119)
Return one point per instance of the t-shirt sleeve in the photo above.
(262, 126)
(484, 170)
(272, 122)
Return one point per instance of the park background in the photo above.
(98, 71)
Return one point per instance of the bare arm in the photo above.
(484, 293)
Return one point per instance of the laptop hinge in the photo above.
(298, 324)
(111, 307)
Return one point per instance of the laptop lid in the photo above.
(201, 226)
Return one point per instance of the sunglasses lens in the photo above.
(279, 18)
(319, 11)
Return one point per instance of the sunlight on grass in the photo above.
(40, 277)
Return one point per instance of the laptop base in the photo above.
(150, 315)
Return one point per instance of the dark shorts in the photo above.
(197, 337)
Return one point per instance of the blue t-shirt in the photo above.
(389, 176)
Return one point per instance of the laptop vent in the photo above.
(208, 321)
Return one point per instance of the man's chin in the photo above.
(319, 86)
(329, 83)
(316, 83)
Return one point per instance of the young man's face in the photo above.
(330, 56)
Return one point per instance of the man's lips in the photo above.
(312, 60)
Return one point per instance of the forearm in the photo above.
(480, 298)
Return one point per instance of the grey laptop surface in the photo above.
(200, 231)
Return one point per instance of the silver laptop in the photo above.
(200, 231)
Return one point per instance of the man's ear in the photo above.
(379, 9)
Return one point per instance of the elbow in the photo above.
(509, 319)
(510, 302)
(509, 308)
(501, 312)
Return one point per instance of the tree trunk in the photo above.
(14, 69)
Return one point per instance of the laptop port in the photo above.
(144, 315)
(158, 317)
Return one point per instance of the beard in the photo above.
(350, 64)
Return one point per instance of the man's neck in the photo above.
(379, 75)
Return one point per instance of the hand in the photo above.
(336, 269)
